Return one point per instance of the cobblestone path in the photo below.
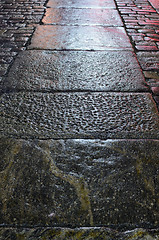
(141, 21)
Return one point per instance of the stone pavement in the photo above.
(79, 120)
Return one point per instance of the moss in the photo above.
(136, 235)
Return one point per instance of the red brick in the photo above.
(146, 48)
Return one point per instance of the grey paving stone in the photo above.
(149, 60)
(72, 16)
(76, 70)
(78, 115)
(81, 4)
(80, 38)
(79, 182)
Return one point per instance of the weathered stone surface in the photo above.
(96, 71)
(99, 233)
(75, 16)
(79, 182)
(79, 115)
(149, 60)
(81, 4)
(80, 38)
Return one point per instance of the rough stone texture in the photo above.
(79, 115)
(71, 16)
(95, 71)
(81, 4)
(149, 60)
(77, 234)
(79, 182)
(80, 38)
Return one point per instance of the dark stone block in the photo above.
(79, 182)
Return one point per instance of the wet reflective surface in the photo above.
(79, 182)
(71, 16)
(80, 25)
(79, 133)
(76, 71)
(80, 38)
(82, 3)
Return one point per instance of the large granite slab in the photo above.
(100, 233)
(79, 182)
(78, 115)
(81, 4)
(80, 38)
(75, 70)
(75, 16)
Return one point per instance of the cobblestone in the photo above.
(141, 21)
(17, 24)
(144, 18)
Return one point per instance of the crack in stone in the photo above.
(80, 185)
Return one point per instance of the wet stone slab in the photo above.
(81, 4)
(80, 38)
(79, 182)
(100, 233)
(78, 115)
(71, 16)
(75, 70)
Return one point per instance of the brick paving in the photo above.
(18, 19)
(141, 21)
